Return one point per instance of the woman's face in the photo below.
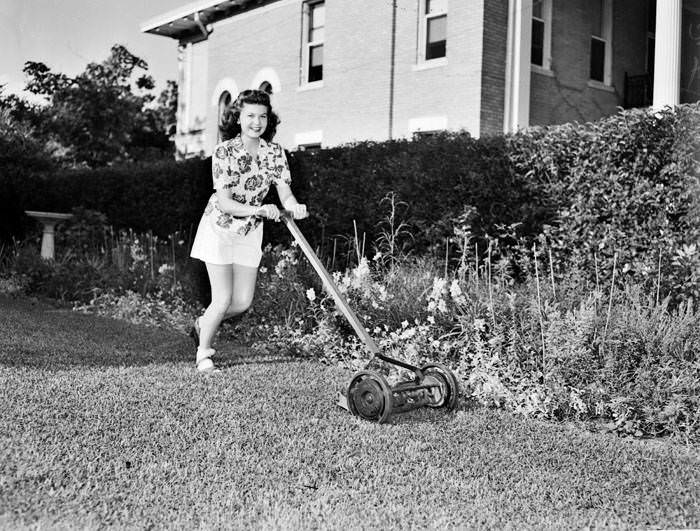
(253, 120)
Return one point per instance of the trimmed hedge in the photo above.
(21, 159)
(628, 185)
(437, 177)
(625, 184)
(163, 197)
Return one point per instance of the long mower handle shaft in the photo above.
(360, 330)
(287, 217)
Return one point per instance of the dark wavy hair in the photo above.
(229, 125)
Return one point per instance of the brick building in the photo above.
(345, 70)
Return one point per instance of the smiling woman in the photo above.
(229, 236)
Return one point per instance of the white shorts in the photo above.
(219, 246)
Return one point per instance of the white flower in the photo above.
(311, 294)
(431, 319)
(408, 333)
(360, 274)
(404, 324)
(438, 287)
(442, 306)
(263, 270)
(479, 325)
(165, 268)
(377, 256)
(455, 290)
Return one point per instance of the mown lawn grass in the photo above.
(107, 423)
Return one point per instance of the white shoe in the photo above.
(203, 360)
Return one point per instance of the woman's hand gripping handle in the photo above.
(271, 211)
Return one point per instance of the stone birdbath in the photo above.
(49, 221)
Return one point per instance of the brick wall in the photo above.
(452, 90)
(464, 92)
(353, 103)
(566, 95)
(493, 78)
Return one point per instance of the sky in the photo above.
(66, 35)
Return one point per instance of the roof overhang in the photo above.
(193, 22)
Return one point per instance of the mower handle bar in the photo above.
(288, 218)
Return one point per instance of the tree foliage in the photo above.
(104, 115)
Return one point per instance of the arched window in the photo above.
(224, 104)
(266, 86)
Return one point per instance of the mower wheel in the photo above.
(447, 393)
(370, 397)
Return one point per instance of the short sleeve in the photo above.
(219, 165)
(281, 170)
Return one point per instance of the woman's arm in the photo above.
(228, 205)
(239, 210)
(289, 202)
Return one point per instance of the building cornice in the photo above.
(193, 22)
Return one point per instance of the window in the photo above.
(540, 46)
(651, 36)
(309, 140)
(314, 22)
(224, 104)
(435, 29)
(427, 125)
(422, 135)
(600, 41)
(310, 147)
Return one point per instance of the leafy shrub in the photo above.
(92, 259)
(21, 158)
(625, 185)
(436, 177)
(153, 309)
(344, 187)
(624, 191)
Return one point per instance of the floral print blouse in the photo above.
(247, 177)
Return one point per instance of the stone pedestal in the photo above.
(48, 221)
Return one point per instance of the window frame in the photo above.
(223, 105)
(546, 37)
(423, 21)
(307, 44)
(606, 22)
(311, 147)
(651, 38)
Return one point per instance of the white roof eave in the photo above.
(181, 20)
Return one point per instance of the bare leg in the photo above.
(221, 281)
(232, 291)
(244, 278)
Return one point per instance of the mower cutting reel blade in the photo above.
(446, 386)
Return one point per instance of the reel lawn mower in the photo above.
(369, 395)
